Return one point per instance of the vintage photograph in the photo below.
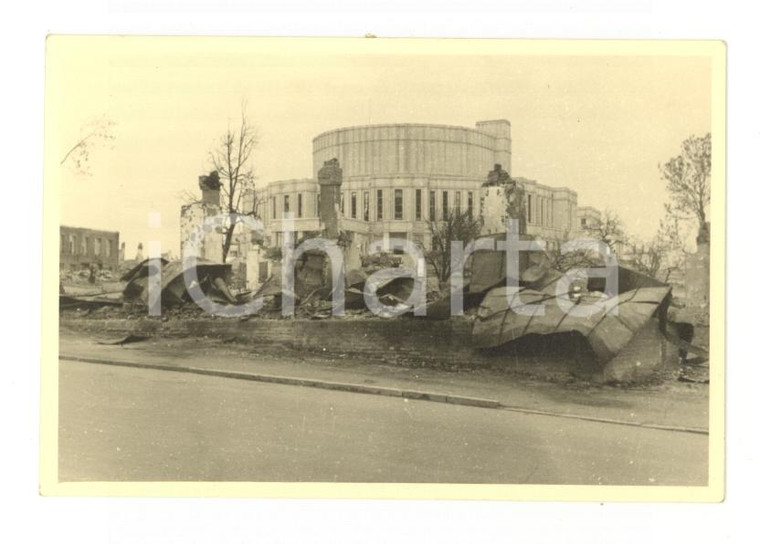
(379, 261)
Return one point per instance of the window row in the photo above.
(400, 210)
(540, 210)
(359, 204)
(298, 209)
(72, 244)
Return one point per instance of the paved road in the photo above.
(125, 424)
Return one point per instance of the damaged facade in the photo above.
(209, 245)
(193, 215)
(83, 248)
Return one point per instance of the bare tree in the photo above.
(576, 258)
(609, 229)
(688, 181)
(647, 257)
(661, 255)
(187, 196)
(232, 158)
(456, 226)
(92, 134)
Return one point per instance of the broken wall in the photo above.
(696, 272)
(493, 204)
(191, 217)
(330, 178)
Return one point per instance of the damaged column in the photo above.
(330, 179)
(503, 199)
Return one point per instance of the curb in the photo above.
(383, 391)
(304, 382)
(642, 425)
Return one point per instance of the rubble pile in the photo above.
(206, 279)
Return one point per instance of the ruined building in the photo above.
(193, 215)
(83, 248)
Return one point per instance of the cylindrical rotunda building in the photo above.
(397, 177)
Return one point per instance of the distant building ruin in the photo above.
(82, 248)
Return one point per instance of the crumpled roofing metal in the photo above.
(607, 331)
(142, 269)
(173, 288)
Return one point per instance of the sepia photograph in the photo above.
(398, 268)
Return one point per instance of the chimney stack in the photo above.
(210, 188)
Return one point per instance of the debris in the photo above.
(88, 302)
(129, 339)
(696, 361)
(694, 374)
(681, 335)
(395, 290)
(142, 269)
(441, 308)
(489, 267)
(210, 276)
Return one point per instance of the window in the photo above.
(445, 205)
(540, 211)
(470, 204)
(108, 247)
(299, 211)
(96, 243)
(397, 236)
(319, 199)
(342, 202)
(366, 205)
(379, 204)
(398, 204)
(285, 204)
(353, 205)
(431, 206)
(83, 246)
(458, 201)
(543, 211)
(583, 222)
(530, 208)
(274, 207)
(418, 204)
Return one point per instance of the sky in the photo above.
(597, 123)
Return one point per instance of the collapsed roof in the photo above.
(211, 278)
(608, 318)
